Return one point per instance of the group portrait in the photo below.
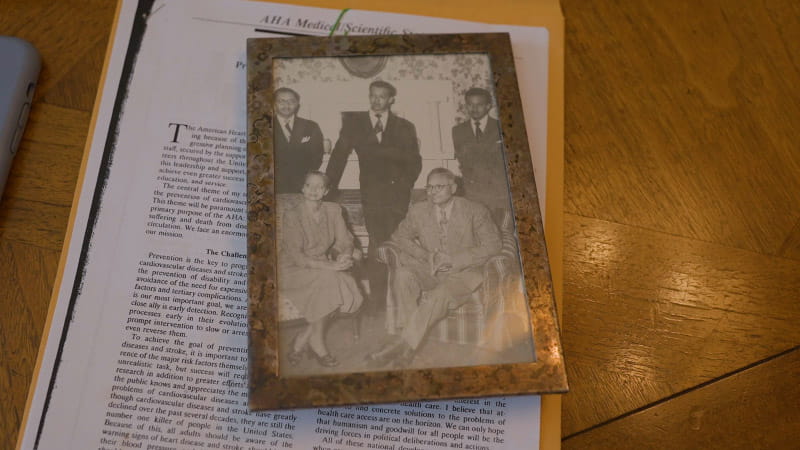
(396, 240)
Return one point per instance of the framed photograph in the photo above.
(395, 242)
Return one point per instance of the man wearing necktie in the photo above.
(389, 163)
(442, 245)
(479, 151)
(298, 143)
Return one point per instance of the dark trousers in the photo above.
(381, 221)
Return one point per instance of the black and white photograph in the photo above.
(396, 245)
(394, 201)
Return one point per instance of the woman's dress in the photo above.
(304, 239)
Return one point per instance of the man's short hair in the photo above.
(478, 92)
(289, 90)
(385, 85)
(442, 171)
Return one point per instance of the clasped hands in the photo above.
(343, 261)
(439, 262)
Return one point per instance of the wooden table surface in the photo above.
(682, 215)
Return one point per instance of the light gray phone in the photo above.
(19, 69)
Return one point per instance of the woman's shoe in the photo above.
(326, 360)
(294, 357)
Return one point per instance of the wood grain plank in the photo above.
(63, 32)
(647, 315)
(38, 194)
(681, 118)
(27, 273)
(48, 160)
(754, 408)
(33, 223)
(791, 246)
(77, 88)
(52, 124)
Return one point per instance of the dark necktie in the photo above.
(289, 129)
(378, 124)
(478, 132)
(442, 227)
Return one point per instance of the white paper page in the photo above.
(189, 73)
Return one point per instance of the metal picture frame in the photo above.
(272, 382)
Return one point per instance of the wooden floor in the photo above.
(681, 316)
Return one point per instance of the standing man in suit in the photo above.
(442, 245)
(298, 143)
(479, 151)
(389, 163)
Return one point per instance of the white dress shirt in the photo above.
(284, 122)
(373, 117)
(482, 121)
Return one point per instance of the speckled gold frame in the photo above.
(268, 389)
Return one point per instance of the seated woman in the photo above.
(315, 252)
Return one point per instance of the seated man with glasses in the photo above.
(442, 244)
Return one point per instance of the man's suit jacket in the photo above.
(389, 168)
(297, 156)
(481, 162)
(472, 236)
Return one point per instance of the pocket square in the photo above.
(305, 139)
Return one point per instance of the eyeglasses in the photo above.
(437, 187)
